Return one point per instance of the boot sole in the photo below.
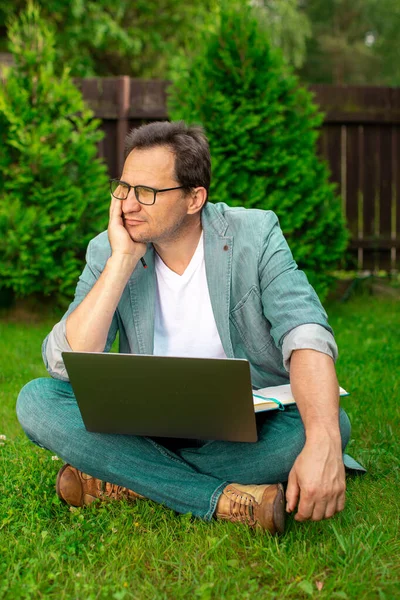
(279, 510)
(60, 472)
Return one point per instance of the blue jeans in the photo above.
(185, 475)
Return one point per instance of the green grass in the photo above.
(143, 551)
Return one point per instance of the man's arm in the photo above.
(88, 325)
(289, 302)
(317, 479)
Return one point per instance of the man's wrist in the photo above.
(122, 263)
(325, 435)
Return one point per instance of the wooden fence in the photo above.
(360, 139)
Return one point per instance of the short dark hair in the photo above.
(188, 142)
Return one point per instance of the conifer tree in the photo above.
(263, 127)
(53, 189)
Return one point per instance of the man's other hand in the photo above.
(317, 481)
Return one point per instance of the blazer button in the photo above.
(226, 247)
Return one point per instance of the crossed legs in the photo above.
(184, 477)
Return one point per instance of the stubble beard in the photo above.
(171, 234)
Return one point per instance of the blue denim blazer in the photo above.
(257, 292)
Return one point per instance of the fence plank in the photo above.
(384, 218)
(109, 145)
(353, 188)
(396, 195)
(124, 102)
(331, 134)
(370, 190)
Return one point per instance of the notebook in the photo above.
(277, 397)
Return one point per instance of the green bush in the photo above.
(263, 126)
(53, 189)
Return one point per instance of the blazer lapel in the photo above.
(218, 251)
(142, 288)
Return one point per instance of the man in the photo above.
(219, 282)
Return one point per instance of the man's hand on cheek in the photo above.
(317, 481)
(118, 235)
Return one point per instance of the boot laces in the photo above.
(242, 507)
(112, 490)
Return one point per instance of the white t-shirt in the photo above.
(184, 320)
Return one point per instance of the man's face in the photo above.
(164, 220)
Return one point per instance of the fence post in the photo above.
(123, 96)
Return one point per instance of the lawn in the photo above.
(145, 551)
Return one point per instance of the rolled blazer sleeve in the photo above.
(309, 336)
(287, 297)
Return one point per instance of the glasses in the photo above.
(144, 194)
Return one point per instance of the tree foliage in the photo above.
(143, 38)
(53, 189)
(340, 41)
(99, 37)
(353, 42)
(263, 129)
(286, 26)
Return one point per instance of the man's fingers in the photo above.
(115, 208)
(331, 509)
(320, 509)
(335, 504)
(292, 492)
(306, 507)
(341, 501)
(112, 205)
(116, 219)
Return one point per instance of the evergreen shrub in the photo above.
(53, 189)
(263, 127)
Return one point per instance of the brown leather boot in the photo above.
(259, 506)
(76, 488)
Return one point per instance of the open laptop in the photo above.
(162, 396)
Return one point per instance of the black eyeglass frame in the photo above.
(154, 190)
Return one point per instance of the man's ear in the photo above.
(197, 199)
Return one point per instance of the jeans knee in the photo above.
(27, 401)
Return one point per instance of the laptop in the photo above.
(163, 396)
